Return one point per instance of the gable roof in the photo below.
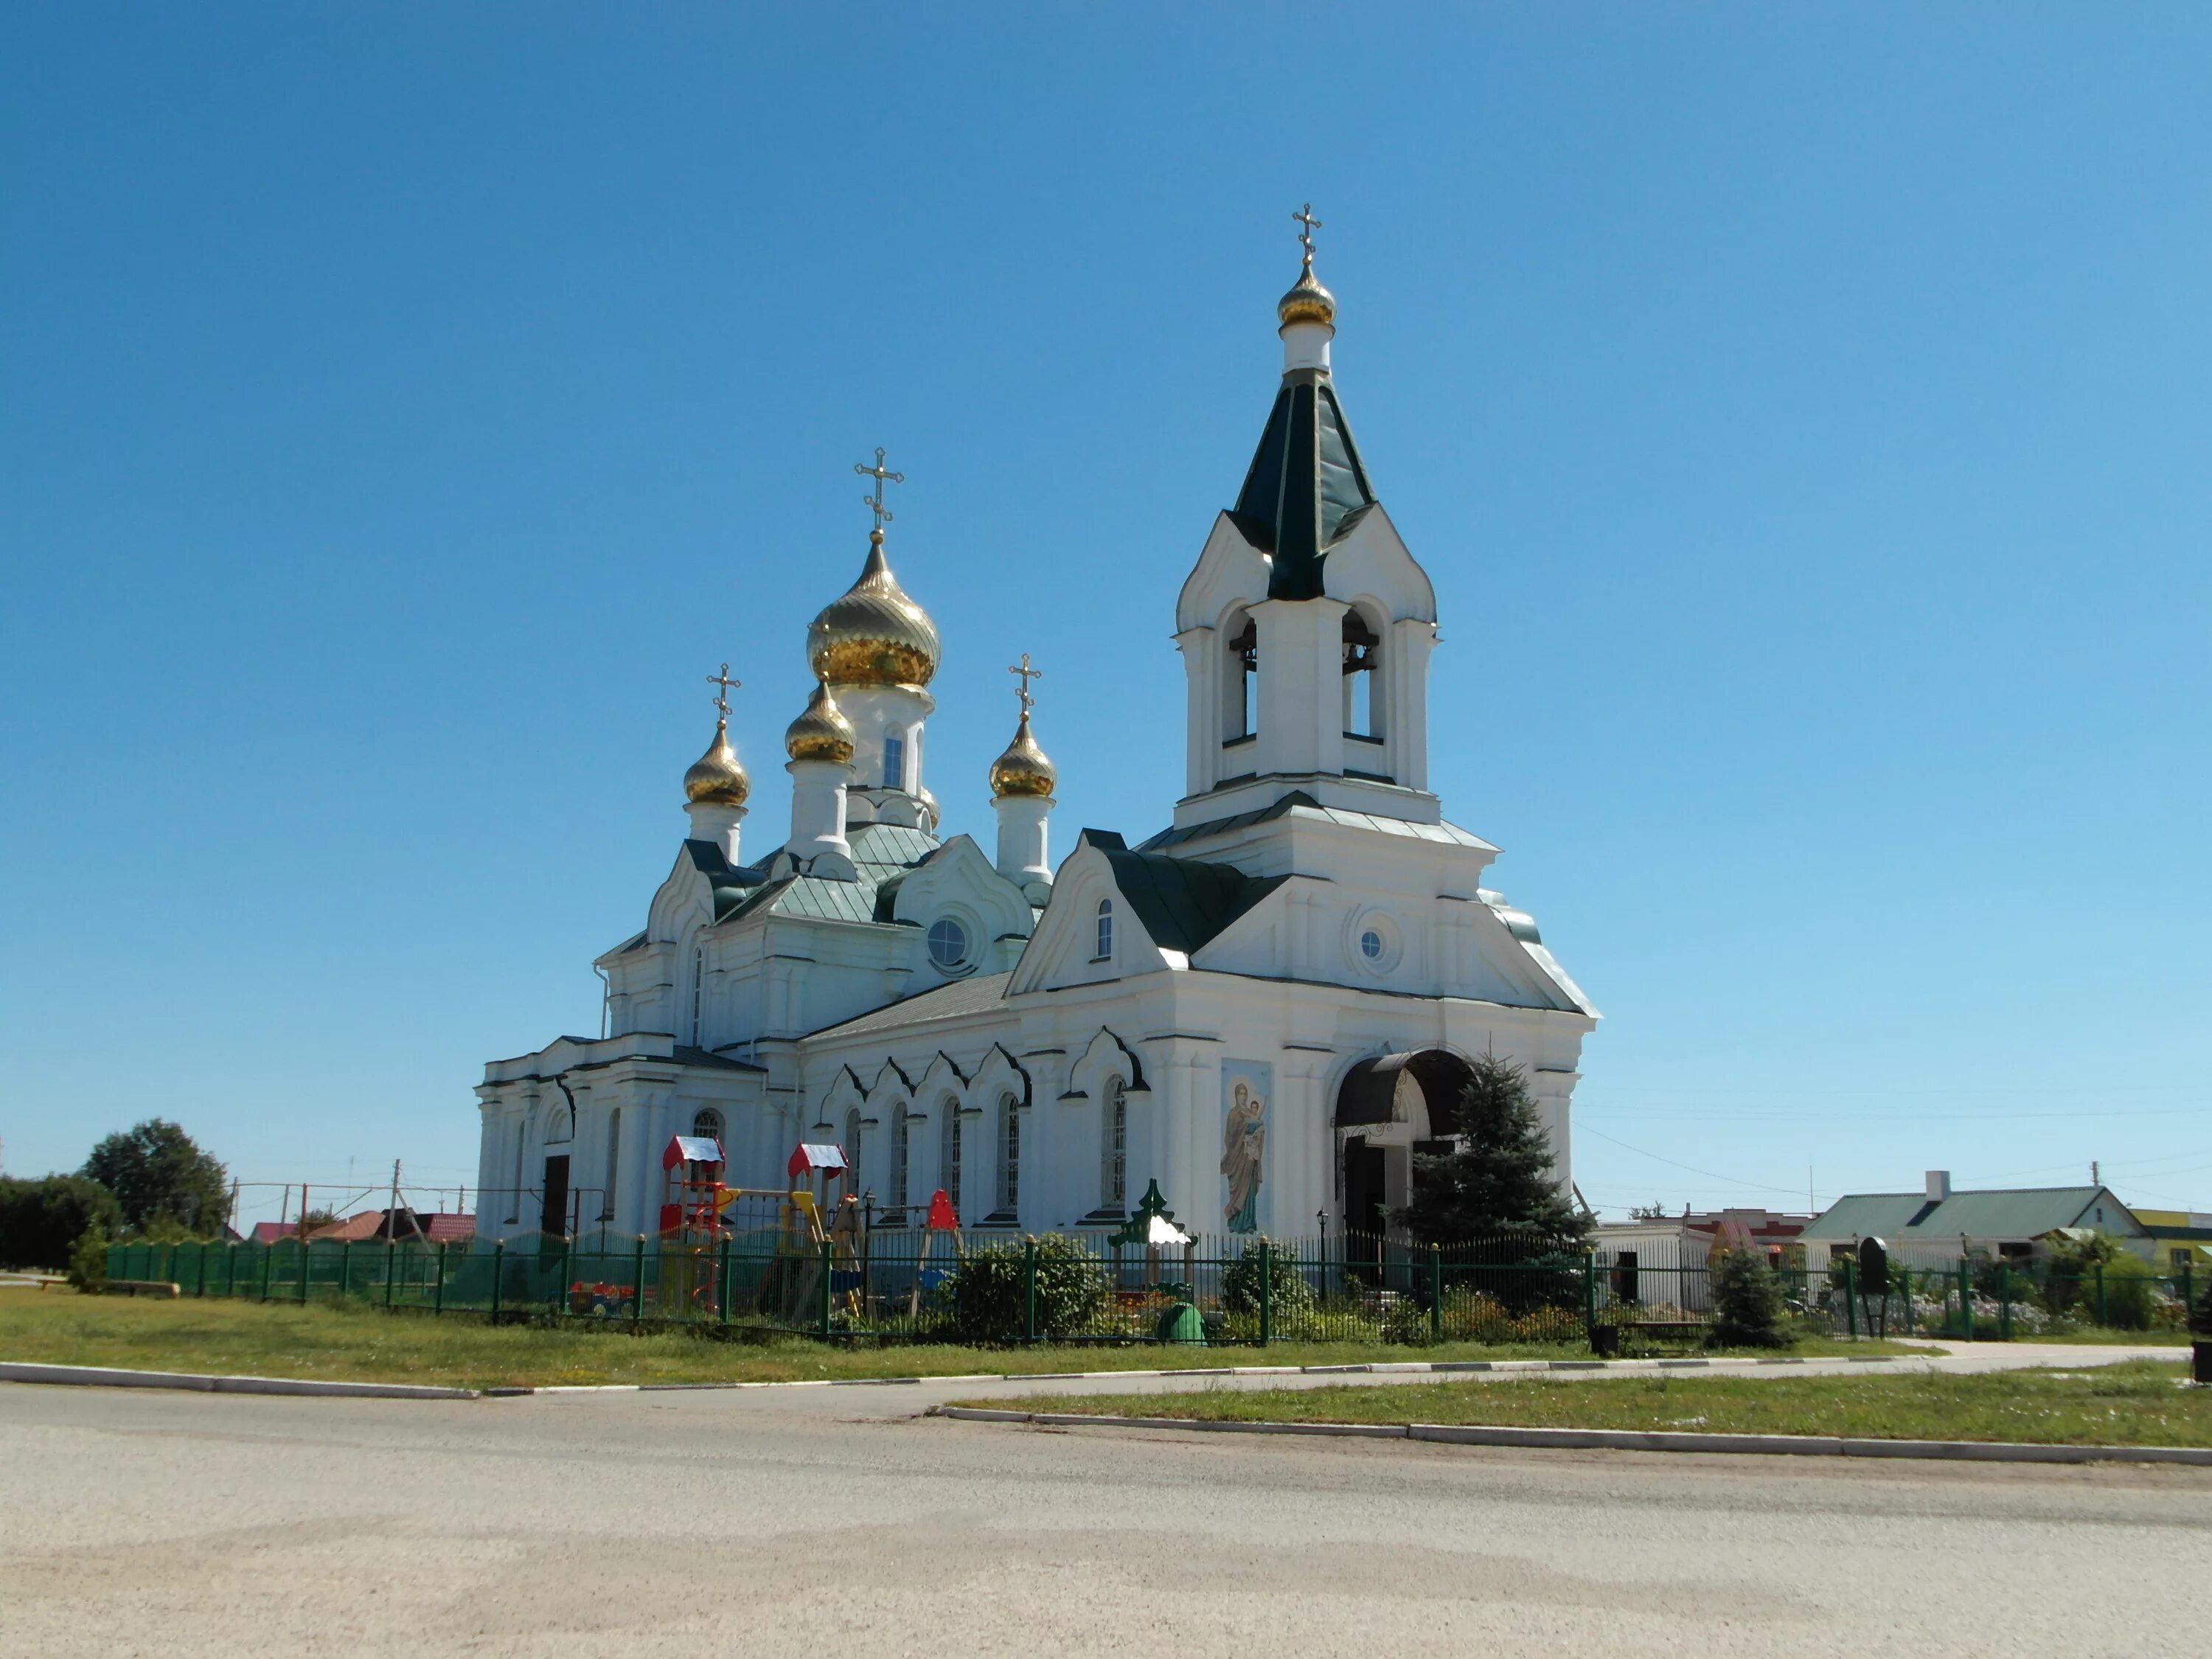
(1183, 903)
(2018, 1212)
(965, 996)
(883, 855)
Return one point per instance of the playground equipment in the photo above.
(692, 1200)
(943, 1218)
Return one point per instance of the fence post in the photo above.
(2004, 1301)
(723, 1282)
(637, 1283)
(2100, 1293)
(1029, 1290)
(2188, 1298)
(438, 1296)
(1589, 1291)
(498, 1275)
(200, 1289)
(1266, 1293)
(307, 1266)
(391, 1260)
(1905, 1280)
(268, 1251)
(1436, 1293)
(1851, 1299)
(829, 1264)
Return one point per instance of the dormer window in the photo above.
(1104, 939)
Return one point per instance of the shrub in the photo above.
(1748, 1308)
(40, 1221)
(2129, 1293)
(88, 1262)
(1289, 1296)
(988, 1297)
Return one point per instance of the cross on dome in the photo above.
(724, 685)
(1307, 225)
(1027, 674)
(875, 502)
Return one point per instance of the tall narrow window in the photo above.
(899, 1135)
(1104, 939)
(894, 763)
(1010, 1158)
(1363, 658)
(949, 1170)
(698, 988)
(614, 1165)
(1113, 1178)
(706, 1124)
(1241, 672)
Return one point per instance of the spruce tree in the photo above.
(1499, 1184)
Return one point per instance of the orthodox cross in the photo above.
(876, 502)
(1027, 674)
(1307, 225)
(724, 685)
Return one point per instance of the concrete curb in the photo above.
(1785, 1445)
(104, 1376)
(107, 1376)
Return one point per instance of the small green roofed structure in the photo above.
(1938, 1224)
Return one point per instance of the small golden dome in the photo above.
(715, 778)
(1308, 301)
(1022, 769)
(874, 634)
(821, 732)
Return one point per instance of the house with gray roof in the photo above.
(1939, 1225)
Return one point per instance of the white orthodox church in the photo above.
(1266, 1007)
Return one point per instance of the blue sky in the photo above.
(1801, 412)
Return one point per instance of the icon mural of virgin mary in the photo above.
(1243, 1136)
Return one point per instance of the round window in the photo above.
(1371, 946)
(948, 943)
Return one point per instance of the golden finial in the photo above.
(1308, 301)
(874, 634)
(1024, 769)
(717, 778)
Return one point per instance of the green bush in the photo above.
(40, 1221)
(1747, 1307)
(987, 1294)
(1289, 1296)
(2130, 1293)
(88, 1262)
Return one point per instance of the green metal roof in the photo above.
(1299, 805)
(965, 996)
(1305, 486)
(2020, 1212)
(1183, 903)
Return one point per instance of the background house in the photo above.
(1937, 1226)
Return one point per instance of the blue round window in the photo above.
(948, 943)
(1371, 946)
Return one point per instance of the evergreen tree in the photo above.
(1499, 1184)
(157, 1169)
(1747, 1306)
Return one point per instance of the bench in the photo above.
(142, 1287)
(1605, 1340)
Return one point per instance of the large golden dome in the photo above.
(716, 778)
(874, 634)
(821, 732)
(1308, 301)
(1022, 769)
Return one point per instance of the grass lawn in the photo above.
(2133, 1404)
(358, 1343)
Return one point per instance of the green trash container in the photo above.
(1180, 1322)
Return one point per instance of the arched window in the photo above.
(1104, 937)
(1113, 1172)
(1240, 678)
(948, 1170)
(1362, 660)
(896, 1198)
(1010, 1158)
(894, 761)
(706, 1124)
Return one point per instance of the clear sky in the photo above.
(1801, 410)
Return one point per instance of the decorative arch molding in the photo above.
(1416, 1087)
(999, 1073)
(942, 1073)
(890, 1069)
(1106, 1051)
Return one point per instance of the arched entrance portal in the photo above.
(1390, 1107)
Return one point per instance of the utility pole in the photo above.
(392, 1215)
(2095, 1180)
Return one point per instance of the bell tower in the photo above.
(1306, 626)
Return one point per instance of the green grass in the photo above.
(358, 1343)
(2136, 1403)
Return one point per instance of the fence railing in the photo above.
(903, 1284)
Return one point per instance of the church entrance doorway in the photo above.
(553, 1222)
(1363, 1198)
(1389, 1109)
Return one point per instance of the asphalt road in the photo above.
(835, 1521)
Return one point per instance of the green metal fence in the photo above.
(902, 1284)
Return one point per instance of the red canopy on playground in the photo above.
(808, 1156)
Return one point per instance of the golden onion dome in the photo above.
(716, 779)
(821, 732)
(873, 635)
(1308, 301)
(1022, 769)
